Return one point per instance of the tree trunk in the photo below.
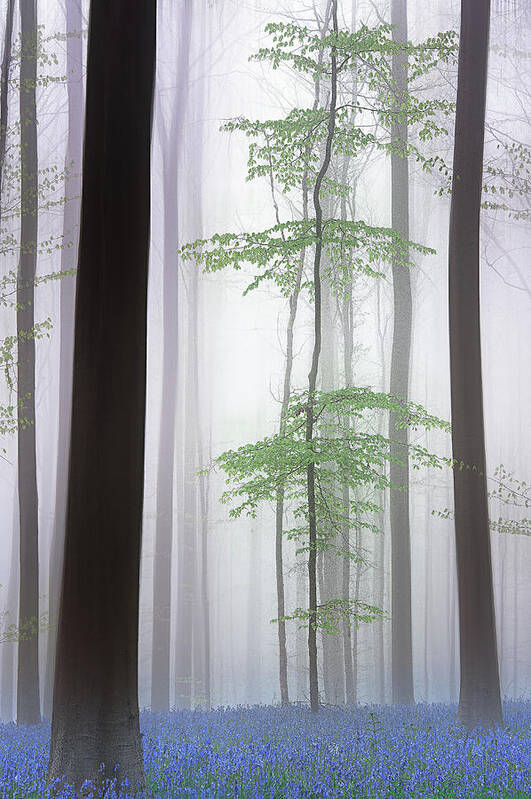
(312, 381)
(479, 698)
(301, 649)
(333, 654)
(347, 325)
(74, 68)
(402, 654)
(379, 581)
(28, 695)
(95, 706)
(160, 673)
(286, 392)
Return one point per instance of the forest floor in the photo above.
(366, 752)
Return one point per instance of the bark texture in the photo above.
(28, 694)
(95, 706)
(312, 381)
(479, 697)
(402, 652)
(74, 68)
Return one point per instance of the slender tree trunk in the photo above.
(379, 586)
(74, 68)
(188, 588)
(402, 653)
(286, 392)
(301, 655)
(95, 706)
(350, 675)
(160, 674)
(347, 324)
(479, 699)
(312, 380)
(333, 653)
(355, 631)
(28, 695)
(194, 159)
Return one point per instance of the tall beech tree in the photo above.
(314, 451)
(479, 697)
(401, 634)
(95, 705)
(28, 694)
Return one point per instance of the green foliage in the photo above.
(345, 448)
(510, 491)
(327, 615)
(354, 455)
(508, 180)
(286, 147)
(351, 246)
(350, 455)
(10, 633)
(50, 180)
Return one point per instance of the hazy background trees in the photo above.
(231, 373)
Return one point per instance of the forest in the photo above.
(265, 477)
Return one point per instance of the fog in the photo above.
(229, 353)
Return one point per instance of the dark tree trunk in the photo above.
(312, 381)
(479, 699)
(28, 695)
(402, 657)
(95, 706)
(74, 68)
(286, 392)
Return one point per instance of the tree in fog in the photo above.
(73, 156)
(401, 635)
(95, 704)
(479, 698)
(28, 694)
(171, 136)
(313, 452)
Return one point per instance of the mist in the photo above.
(208, 629)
